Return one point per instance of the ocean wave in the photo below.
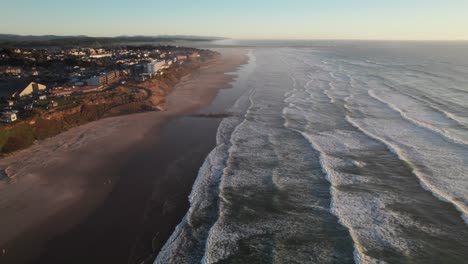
(187, 243)
(329, 164)
(441, 176)
(439, 97)
(425, 183)
(332, 144)
(406, 115)
(345, 205)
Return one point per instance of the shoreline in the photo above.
(72, 174)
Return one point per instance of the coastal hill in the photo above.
(118, 91)
(7, 40)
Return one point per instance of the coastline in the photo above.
(61, 181)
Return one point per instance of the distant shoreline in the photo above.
(12, 40)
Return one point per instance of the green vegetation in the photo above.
(19, 137)
(4, 134)
(35, 125)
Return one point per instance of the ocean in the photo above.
(336, 152)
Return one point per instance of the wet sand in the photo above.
(85, 196)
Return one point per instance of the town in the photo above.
(34, 80)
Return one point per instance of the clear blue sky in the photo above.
(273, 19)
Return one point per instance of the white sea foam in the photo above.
(202, 198)
(446, 181)
(445, 130)
(187, 243)
(424, 180)
(259, 171)
(214, 234)
(291, 115)
(344, 204)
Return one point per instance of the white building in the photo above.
(104, 78)
(30, 89)
(154, 66)
(99, 56)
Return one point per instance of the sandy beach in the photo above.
(94, 174)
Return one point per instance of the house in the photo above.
(34, 72)
(28, 107)
(8, 117)
(61, 93)
(13, 70)
(29, 90)
(52, 104)
(194, 55)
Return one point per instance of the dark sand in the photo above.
(101, 192)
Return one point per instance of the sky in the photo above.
(244, 19)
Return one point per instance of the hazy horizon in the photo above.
(296, 19)
(222, 38)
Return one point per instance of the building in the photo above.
(31, 89)
(97, 80)
(28, 107)
(8, 117)
(112, 76)
(13, 70)
(154, 66)
(105, 78)
(34, 72)
(100, 56)
(62, 93)
(52, 104)
(137, 71)
(167, 65)
(181, 57)
(194, 55)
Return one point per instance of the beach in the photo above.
(111, 190)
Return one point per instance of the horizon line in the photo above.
(243, 38)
